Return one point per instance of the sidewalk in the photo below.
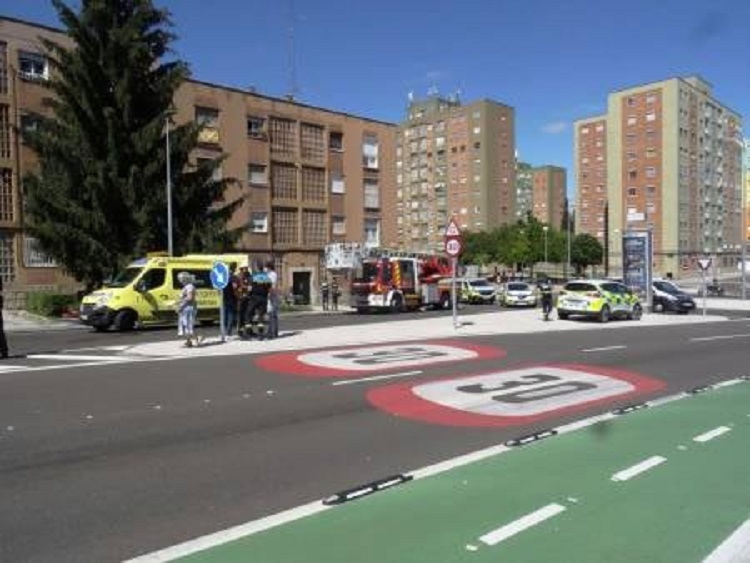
(505, 322)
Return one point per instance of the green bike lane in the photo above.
(558, 499)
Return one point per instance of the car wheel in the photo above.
(658, 307)
(637, 313)
(362, 310)
(125, 320)
(562, 316)
(604, 315)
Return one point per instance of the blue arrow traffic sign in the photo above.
(219, 275)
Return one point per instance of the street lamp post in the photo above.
(170, 246)
(570, 236)
(545, 229)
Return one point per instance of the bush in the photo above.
(49, 304)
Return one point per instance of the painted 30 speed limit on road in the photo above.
(365, 360)
(510, 397)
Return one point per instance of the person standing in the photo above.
(324, 293)
(229, 295)
(3, 340)
(335, 293)
(243, 297)
(260, 287)
(274, 301)
(187, 309)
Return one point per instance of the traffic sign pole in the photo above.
(220, 279)
(454, 295)
(221, 315)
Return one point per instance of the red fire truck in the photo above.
(401, 281)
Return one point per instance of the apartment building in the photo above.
(453, 160)
(746, 180)
(524, 190)
(671, 155)
(308, 175)
(549, 188)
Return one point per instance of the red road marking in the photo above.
(402, 400)
(317, 363)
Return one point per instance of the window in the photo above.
(34, 257)
(650, 98)
(336, 141)
(337, 183)
(651, 208)
(285, 226)
(201, 278)
(370, 152)
(6, 195)
(3, 67)
(257, 174)
(372, 194)
(32, 66)
(259, 222)
(5, 131)
(208, 118)
(632, 120)
(631, 101)
(650, 190)
(155, 278)
(651, 116)
(313, 184)
(283, 133)
(650, 153)
(283, 181)
(584, 130)
(372, 232)
(632, 192)
(338, 225)
(632, 174)
(256, 126)
(650, 172)
(210, 163)
(477, 130)
(29, 124)
(313, 147)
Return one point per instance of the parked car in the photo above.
(477, 290)
(519, 294)
(670, 297)
(601, 299)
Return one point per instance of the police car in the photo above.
(601, 299)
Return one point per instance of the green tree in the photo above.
(99, 197)
(585, 251)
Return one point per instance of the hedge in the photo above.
(49, 304)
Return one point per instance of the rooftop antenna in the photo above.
(291, 55)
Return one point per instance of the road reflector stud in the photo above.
(700, 389)
(367, 489)
(630, 408)
(524, 440)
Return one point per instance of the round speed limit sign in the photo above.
(453, 247)
(512, 397)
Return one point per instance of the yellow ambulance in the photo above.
(146, 292)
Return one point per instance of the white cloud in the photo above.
(555, 127)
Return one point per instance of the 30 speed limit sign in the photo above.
(506, 398)
(453, 247)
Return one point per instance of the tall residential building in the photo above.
(453, 160)
(746, 180)
(524, 190)
(308, 175)
(671, 157)
(549, 194)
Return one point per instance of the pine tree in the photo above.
(99, 197)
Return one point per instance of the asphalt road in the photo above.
(106, 462)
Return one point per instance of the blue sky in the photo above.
(553, 60)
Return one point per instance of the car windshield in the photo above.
(667, 287)
(518, 287)
(479, 283)
(580, 286)
(124, 277)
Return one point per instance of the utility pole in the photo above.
(606, 239)
(170, 245)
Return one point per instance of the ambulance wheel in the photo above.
(125, 320)
(604, 314)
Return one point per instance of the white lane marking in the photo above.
(6, 367)
(532, 519)
(710, 435)
(118, 348)
(377, 377)
(231, 534)
(734, 549)
(720, 337)
(638, 468)
(76, 357)
(603, 349)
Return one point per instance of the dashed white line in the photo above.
(603, 349)
(6, 367)
(720, 337)
(733, 549)
(77, 358)
(711, 434)
(377, 377)
(532, 519)
(638, 468)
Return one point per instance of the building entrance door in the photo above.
(301, 287)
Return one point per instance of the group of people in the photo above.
(330, 293)
(251, 304)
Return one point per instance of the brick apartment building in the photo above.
(453, 160)
(667, 156)
(549, 185)
(308, 175)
